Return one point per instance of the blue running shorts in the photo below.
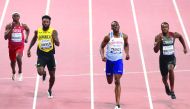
(114, 67)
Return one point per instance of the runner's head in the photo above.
(115, 26)
(46, 21)
(165, 27)
(15, 17)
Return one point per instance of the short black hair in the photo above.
(46, 17)
(114, 22)
(15, 13)
(164, 23)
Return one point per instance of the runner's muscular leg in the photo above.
(13, 65)
(117, 88)
(19, 62)
(52, 79)
(171, 76)
(12, 57)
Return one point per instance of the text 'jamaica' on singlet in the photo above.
(17, 36)
(167, 45)
(115, 47)
(45, 40)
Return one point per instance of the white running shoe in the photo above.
(20, 77)
(50, 96)
(13, 77)
(116, 107)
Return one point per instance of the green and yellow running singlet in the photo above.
(45, 40)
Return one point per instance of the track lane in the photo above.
(150, 15)
(70, 19)
(19, 94)
(103, 15)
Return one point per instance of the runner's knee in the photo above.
(52, 76)
(19, 56)
(117, 82)
(170, 67)
(19, 59)
(109, 79)
(13, 62)
(52, 73)
(40, 71)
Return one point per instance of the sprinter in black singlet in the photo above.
(167, 61)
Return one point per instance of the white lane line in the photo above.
(181, 23)
(141, 54)
(91, 54)
(37, 76)
(4, 12)
(98, 74)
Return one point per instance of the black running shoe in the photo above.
(167, 89)
(173, 95)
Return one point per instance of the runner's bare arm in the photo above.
(103, 44)
(158, 39)
(55, 38)
(179, 36)
(33, 41)
(126, 46)
(8, 31)
(27, 32)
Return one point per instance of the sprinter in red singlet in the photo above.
(14, 32)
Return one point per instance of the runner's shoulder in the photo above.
(25, 25)
(124, 35)
(107, 37)
(158, 35)
(8, 25)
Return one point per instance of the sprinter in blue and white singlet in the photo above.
(116, 42)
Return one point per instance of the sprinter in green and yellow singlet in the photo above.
(46, 37)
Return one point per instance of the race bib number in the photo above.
(116, 50)
(16, 37)
(46, 44)
(168, 50)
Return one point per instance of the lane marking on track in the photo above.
(181, 23)
(141, 54)
(91, 55)
(4, 12)
(99, 74)
(37, 76)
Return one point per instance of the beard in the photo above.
(45, 27)
(164, 33)
(15, 20)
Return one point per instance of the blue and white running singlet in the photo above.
(115, 47)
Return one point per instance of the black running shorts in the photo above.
(48, 60)
(164, 62)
